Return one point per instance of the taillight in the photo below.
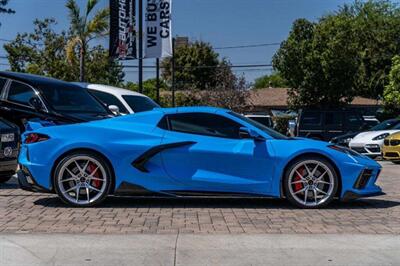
(35, 137)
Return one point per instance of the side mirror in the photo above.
(246, 133)
(36, 103)
(114, 109)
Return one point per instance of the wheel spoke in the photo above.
(300, 175)
(315, 196)
(322, 175)
(301, 190)
(315, 169)
(298, 182)
(70, 189)
(87, 193)
(68, 179)
(69, 171)
(93, 172)
(323, 182)
(95, 178)
(79, 167)
(306, 196)
(308, 170)
(85, 167)
(321, 191)
(93, 188)
(78, 190)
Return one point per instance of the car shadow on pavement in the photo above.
(197, 203)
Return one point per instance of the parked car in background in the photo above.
(25, 96)
(127, 101)
(9, 138)
(344, 140)
(391, 148)
(370, 143)
(327, 124)
(266, 120)
(371, 121)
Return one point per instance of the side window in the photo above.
(109, 99)
(353, 119)
(20, 93)
(204, 124)
(333, 118)
(3, 82)
(311, 118)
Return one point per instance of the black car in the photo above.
(345, 139)
(327, 124)
(25, 96)
(9, 137)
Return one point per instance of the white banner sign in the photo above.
(157, 40)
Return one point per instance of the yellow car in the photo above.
(391, 148)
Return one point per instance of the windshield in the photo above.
(269, 131)
(139, 103)
(66, 99)
(387, 124)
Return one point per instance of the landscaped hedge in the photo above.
(282, 123)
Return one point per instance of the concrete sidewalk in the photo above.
(185, 249)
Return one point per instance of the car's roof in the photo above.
(194, 109)
(35, 80)
(109, 89)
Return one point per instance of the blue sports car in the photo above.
(192, 151)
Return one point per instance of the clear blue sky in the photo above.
(220, 22)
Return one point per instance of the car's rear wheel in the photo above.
(310, 182)
(82, 179)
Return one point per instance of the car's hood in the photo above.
(369, 135)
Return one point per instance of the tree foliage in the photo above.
(195, 66)
(275, 80)
(345, 54)
(392, 90)
(43, 52)
(4, 9)
(83, 30)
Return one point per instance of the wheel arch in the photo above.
(90, 150)
(315, 154)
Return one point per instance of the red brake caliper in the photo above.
(298, 186)
(96, 183)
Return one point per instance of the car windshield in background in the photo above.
(139, 103)
(388, 124)
(72, 100)
(269, 131)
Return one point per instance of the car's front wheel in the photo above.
(310, 182)
(82, 179)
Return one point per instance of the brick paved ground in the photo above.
(25, 212)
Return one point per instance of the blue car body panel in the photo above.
(201, 163)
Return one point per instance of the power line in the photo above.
(247, 46)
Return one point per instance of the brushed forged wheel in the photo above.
(311, 183)
(82, 179)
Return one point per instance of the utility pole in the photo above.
(158, 79)
(173, 72)
(140, 24)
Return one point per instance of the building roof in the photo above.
(277, 97)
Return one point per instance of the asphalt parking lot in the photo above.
(25, 212)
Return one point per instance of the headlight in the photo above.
(382, 136)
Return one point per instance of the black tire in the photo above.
(108, 178)
(396, 162)
(5, 178)
(296, 163)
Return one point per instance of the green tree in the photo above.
(4, 9)
(275, 80)
(43, 52)
(344, 54)
(392, 90)
(83, 30)
(316, 60)
(195, 66)
(149, 87)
